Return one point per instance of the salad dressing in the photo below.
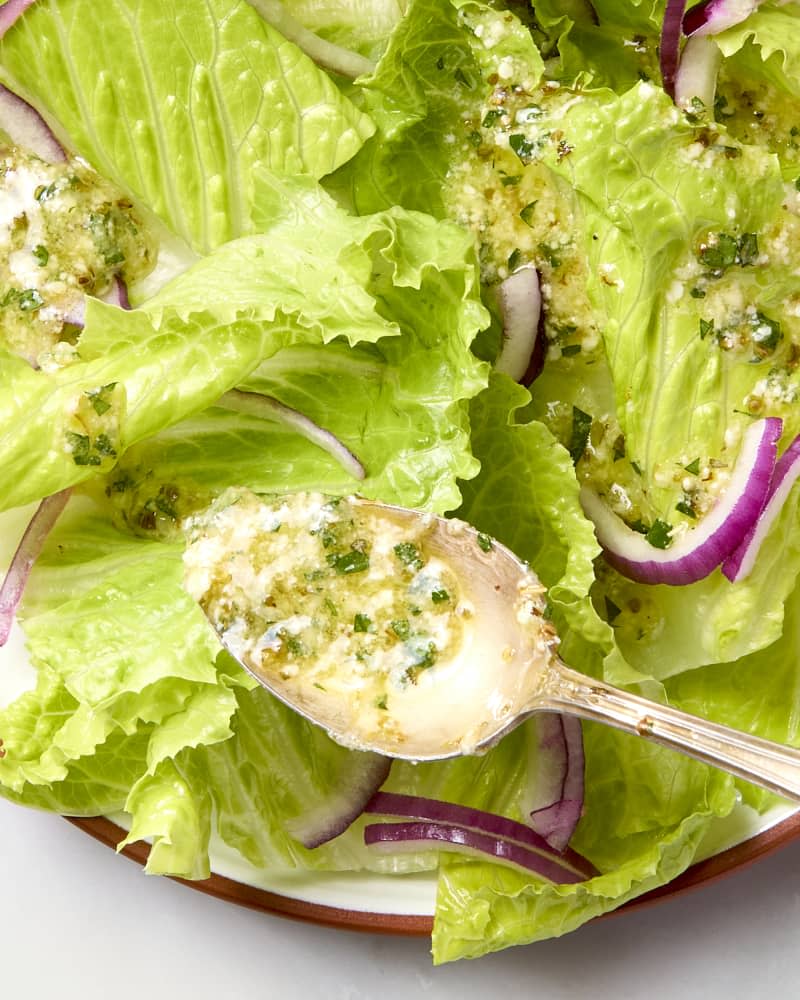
(332, 605)
(65, 232)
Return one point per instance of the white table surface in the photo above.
(78, 921)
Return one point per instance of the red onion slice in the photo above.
(115, 295)
(413, 837)
(670, 46)
(696, 79)
(27, 553)
(519, 298)
(10, 11)
(740, 563)
(271, 409)
(25, 127)
(415, 807)
(556, 802)
(700, 550)
(713, 16)
(332, 817)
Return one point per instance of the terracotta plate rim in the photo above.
(229, 890)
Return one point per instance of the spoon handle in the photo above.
(760, 761)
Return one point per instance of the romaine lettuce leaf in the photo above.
(201, 100)
(766, 45)
(646, 808)
(360, 280)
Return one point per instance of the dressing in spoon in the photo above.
(412, 635)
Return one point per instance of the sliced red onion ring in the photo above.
(25, 127)
(415, 807)
(27, 553)
(10, 11)
(700, 550)
(555, 802)
(670, 45)
(272, 409)
(519, 298)
(696, 79)
(713, 16)
(116, 294)
(740, 563)
(333, 816)
(414, 837)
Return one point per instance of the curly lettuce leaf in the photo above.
(766, 45)
(203, 99)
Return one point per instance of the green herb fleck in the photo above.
(685, 507)
(361, 623)
(475, 138)
(612, 611)
(706, 327)
(636, 467)
(527, 213)
(693, 468)
(30, 300)
(439, 596)
(485, 543)
(381, 702)
(510, 180)
(698, 293)
(659, 534)
(748, 249)
(41, 253)
(401, 628)
(570, 350)
(514, 259)
(581, 426)
(354, 561)
(99, 398)
(523, 147)
(719, 255)
(492, 117)
(550, 255)
(463, 79)
(408, 554)
(81, 448)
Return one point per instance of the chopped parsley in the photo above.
(660, 534)
(581, 426)
(485, 543)
(354, 561)
(409, 556)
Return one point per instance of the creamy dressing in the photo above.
(361, 619)
(64, 233)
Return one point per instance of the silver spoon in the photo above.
(505, 669)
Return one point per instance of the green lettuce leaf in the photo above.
(766, 45)
(360, 280)
(646, 809)
(203, 99)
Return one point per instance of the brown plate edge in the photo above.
(420, 925)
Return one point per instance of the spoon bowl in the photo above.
(490, 653)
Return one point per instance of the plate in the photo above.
(392, 904)
(403, 904)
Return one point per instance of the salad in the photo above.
(490, 259)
